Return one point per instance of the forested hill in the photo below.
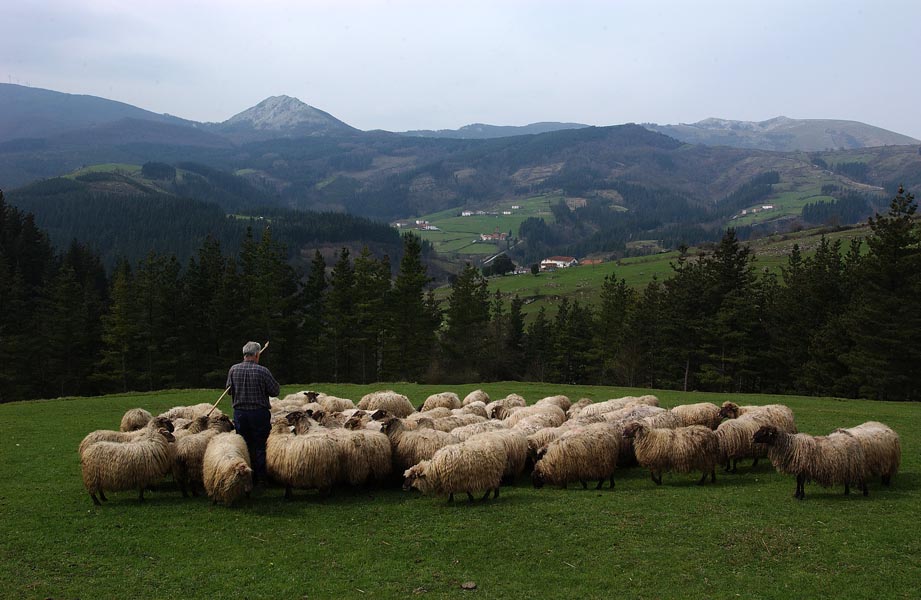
(119, 217)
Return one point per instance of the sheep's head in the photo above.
(294, 416)
(413, 475)
(166, 434)
(500, 412)
(537, 475)
(379, 415)
(221, 423)
(425, 423)
(353, 422)
(245, 472)
(162, 423)
(766, 434)
(312, 396)
(634, 429)
(391, 426)
(729, 410)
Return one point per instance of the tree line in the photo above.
(840, 321)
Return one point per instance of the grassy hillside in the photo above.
(743, 537)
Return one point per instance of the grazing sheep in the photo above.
(106, 435)
(332, 404)
(578, 455)
(226, 469)
(701, 413)
(190, 451)
(616, 404)
(471, 466)
(191, 412)
(301, 461)
(736, 442)
(454, 421)
(833, 459)
(476, 396)
(448, 400)
(116, 466)
(396, 404)
(411, 447)
(364, 456)
(468, 431)
(498, 409)
(577, 407)
(882, 449)
(134, 419)
(562, 401)
(515, 446)
(684, 449)
(438, 412)
(769, 414)
(554, 415)
(473, 408)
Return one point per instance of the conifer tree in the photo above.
(412, 322)
(467, 317)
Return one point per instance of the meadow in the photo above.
(744, 537)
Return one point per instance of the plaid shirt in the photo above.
(250, 385)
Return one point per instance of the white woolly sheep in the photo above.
(554, 415)
(577, 407)
(471, 466)
(135, 419)
(448, 400)
(562, 401)
(582, 454)
(468, 431)
(701, 413)
(226, 469)
(454, 421)
(736, 441)
(396, 404)
(617, 403)
(364, 456)
(834, 459)
(498, 409)
(515, 446)
(107, 435)
(116, 466)
(411, 447)
(438, 412)
(683, 450)
(301, 461)
(332, 404)
(191, 412)
(190, 452)
(473, 408)
(476, 396)
(769, 414)
(882, 449)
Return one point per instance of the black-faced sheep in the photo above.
(226, 469)
(134, 419)
(116, 466)
(882, 449)
(683, 450)
(834, 459)
(471, 466)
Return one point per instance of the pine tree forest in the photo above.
(841, 322)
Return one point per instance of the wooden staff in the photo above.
(228, 387)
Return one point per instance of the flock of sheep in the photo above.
(452, 446)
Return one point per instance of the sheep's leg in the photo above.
(887, 479)
(288, 493)
(755, 464)
(95, 499)
(140, 494)
(727, 467)
(703, 479)
(800, 487)
(182, 488)
(600, 483)
(735, 465)
(451, 497)
(469, 497)
(584, 485)
(653, 475)
(847, 488)
(486, 495)
(713, 475)
(612, 481)
(495, 493)
(863, 485)
(102, 496)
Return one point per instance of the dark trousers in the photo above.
(254, 426)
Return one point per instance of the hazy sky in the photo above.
(441, 64)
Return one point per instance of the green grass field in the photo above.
(745, 537)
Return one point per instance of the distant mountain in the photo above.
(277, 117)
(481, 131)
(27, 112)
(783, 134)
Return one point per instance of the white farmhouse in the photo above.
(558, 262)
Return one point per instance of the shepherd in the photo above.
(250, 385)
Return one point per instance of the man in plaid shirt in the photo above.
(250, 385)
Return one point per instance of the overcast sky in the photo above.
(442, 64)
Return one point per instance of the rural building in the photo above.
(558, 262)
(495, 236)
(467, 213)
